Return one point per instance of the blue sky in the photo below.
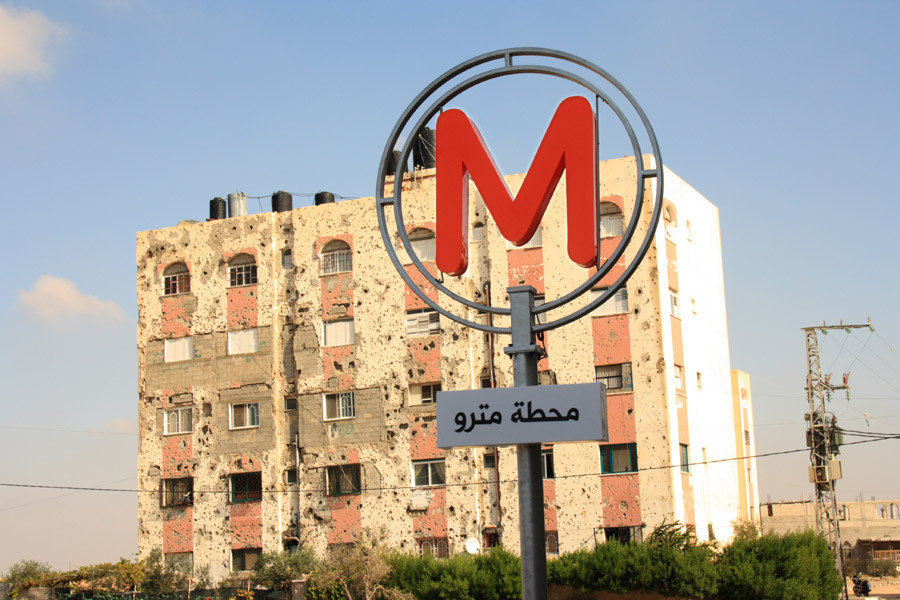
(118, 116)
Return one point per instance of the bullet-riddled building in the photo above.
(288, 381)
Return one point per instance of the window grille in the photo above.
(340, 406)
(336, 257)
(246, 487)
(610, 375)
(435, 547)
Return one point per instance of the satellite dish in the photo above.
(473, 546)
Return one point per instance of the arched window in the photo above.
(612, 221)
(882, 511)
(670, 216)
(336, 257)
(844, 512)
(423, 243)
(895, 511)
(478, 232)
(242, 270)
(176, 280)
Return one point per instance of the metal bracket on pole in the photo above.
(525, 352)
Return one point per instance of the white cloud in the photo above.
(25, 38)
(54, 299)
(120, 425)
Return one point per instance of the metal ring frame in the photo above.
(436, 106)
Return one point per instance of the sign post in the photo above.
(524, 352)
(575, 412)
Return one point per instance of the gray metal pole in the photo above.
(524, 352)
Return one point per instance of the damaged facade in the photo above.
(288, 377)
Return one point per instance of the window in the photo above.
(246, 487)
(478, 232)
(342, 480)
(423, 322)
(612, 221)
(290, 475)
(490, 460)
(179, 561)
(674, 309)
(245, 559)
(178, 492)
(486, 382)
(547, 463)
(491, 539)
(434, 547)
(242, 270)
(539, 318)
(685, 458)
(429, 472)
(747, 437)
(177, 420)
(423, 394)
(339, 406)
(679, 379)
(179, 349)
(844, 512)
(244, 341)
(618, 458)
(242, 416)
(670, 218)
(287, 260)
(895, 511)
(616, 305)
(338, 333)
(336, 257)
(176, 280)
(699, 381)
(616, 378)
(551, 542)
(423, 245)
(290, 404)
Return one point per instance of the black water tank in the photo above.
(423, 150)
(324, 198)
(217, 208)
(394, 162)
(282, 202)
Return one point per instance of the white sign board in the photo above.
(522, 415)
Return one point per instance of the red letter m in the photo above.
(569, 144)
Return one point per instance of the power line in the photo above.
(462, 484)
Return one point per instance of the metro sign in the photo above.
(569, 144)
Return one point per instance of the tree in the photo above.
(360, 570)
(276, 570)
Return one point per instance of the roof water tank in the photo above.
(217, 208)
(393, 163)
(423, 150)
(324, 198)
(237, 205)
(282, 202)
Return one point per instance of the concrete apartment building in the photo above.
(288, 379)
(870, 529)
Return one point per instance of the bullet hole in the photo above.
(636, 311)
(639, 291)
(630, 411)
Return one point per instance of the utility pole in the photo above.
(823, 438)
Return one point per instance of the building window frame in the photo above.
(616, 377)
(547, 467)
(684, 454)
(423, 321)
(178, 420)
(436, 547)
(551, 542)
(616, 305)
(338, 406)
(424, 394)
(244, 559)
(242, 271)
(429, 473)
(177, 491)
(343, 480)
(245, 487)
(612, 220)
(618, 459)
(243, 415)
(178, 349)
(336, 257)
(243, 341)
(176, 279)
(423, 244)
(341, 332)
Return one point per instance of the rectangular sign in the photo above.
(522, 415)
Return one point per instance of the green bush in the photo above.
(275, 570)
(882, 567)
(490, 576)
(796, 566)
